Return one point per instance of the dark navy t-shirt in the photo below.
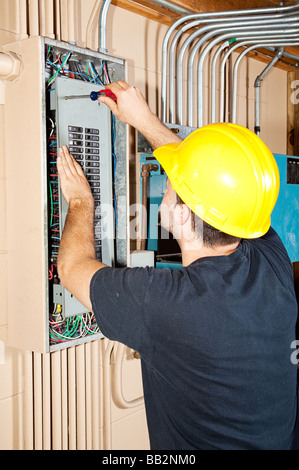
(215, 340)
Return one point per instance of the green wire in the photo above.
(74, 327)
(58, 70)
(87, 69)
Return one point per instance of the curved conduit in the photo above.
(227, 31)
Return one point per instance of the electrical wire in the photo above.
(71, 328)
(49, 82)
(88, 77)
(63, 329)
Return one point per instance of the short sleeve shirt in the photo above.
(215, 344)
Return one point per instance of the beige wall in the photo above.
(139, 41)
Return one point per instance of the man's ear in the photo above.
(182, 214)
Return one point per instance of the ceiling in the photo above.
(156, 12)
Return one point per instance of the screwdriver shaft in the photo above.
(76, 97)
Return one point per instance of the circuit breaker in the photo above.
(85, 127)
(45, 110)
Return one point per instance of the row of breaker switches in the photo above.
(84, 145)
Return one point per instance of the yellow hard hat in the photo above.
(226, 175)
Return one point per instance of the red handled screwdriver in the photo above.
(94, 95)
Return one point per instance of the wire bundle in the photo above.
(69, 329)
(65, 65)
(54, 224)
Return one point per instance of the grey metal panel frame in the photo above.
(117, 71)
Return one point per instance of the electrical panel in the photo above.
(284, 218)
(85, 127)
(50, 106)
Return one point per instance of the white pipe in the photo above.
(71, 21)
(118, 397)
(10, 66)
(6, 64)
(107, 428)
(23, 18)
(42, 17)
(57, 20)
(33, 15)
(90, 25)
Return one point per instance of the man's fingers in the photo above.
(69, 159)
(78, 168)
(123, 84)
(67, 165)
(60, 167)
(64, 164)
(110, 103)
(120, 85)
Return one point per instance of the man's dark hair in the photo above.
(210, 236)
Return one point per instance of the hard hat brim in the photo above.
(165, 156)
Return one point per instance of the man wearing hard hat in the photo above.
(214, 337)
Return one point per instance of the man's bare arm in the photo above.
(76, 259)
(131, 108)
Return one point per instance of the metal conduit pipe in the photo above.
(203, 16)
(223, 46)
(223, 37)
(171, 6)
(182, 20)
(245, 42)
(172, 50)
(286, 54)
(104, 15)
(257, 84)
(255, 32)
(210, 23)
(192, 56)
(194, 53)
(236, 66)
(241, 25)
(103, 26)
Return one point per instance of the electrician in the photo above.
(215, 336)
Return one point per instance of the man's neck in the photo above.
(191, 253)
